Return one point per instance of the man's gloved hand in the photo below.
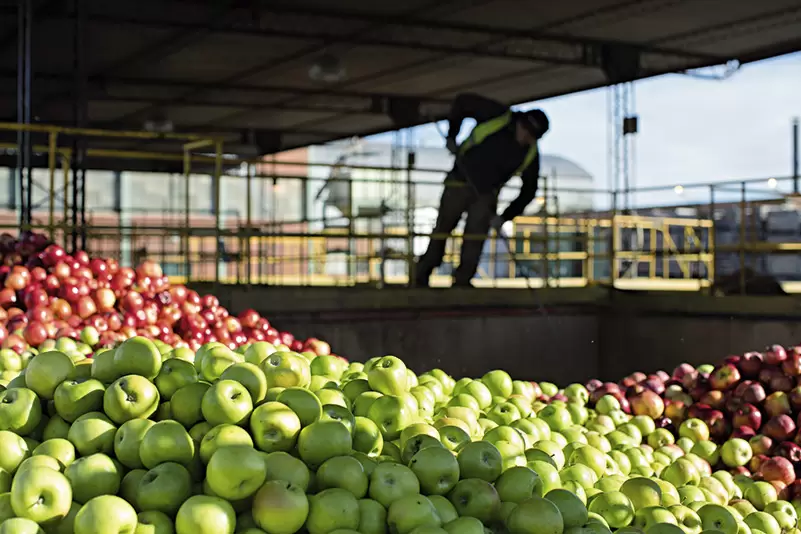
(452, 146)
(497, 223)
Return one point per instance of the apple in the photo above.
(164, 488)
(130, 397)
(204, 514)
(58, 448)
(780, 428)
(137, 356)
(274, 427)
(410, 513)
(391, 414)
(437, 470)
(286, 369)
(724, 377)
(735, 452)
(222, 436)
(388, 375)
(477, 498)
(717, 517)
(390, 481)
(216, 361)
(695, 429)
(280, 507)
(343, 472)
(20, 525)
(166, 441)
(250, 376)
(46, 371)
(186, 403)
(226, 401)
(323, 440)
(153, 522)
(777, 403)
(127, 441)
(777, 468)
(760, 494)
(20, 410)
(641, 492)
(763, 522)
(235, 472)
(332, 509)
(373, 516)
(41, 494)
(174, 374)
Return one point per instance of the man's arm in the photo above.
(528, 191)
(472, 106)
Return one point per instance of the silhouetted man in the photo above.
(502, 144)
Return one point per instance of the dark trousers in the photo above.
(456, 200)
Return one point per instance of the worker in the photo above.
(502, 144)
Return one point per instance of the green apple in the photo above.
(764, 522)
(391, 415)
(480, 459)
(518, 484)
(274, 427)
(199, 430)
(589, 456)
(250, 376)
(390, 481)
(46, 371)
(91, 476)
(41, 494)
(534, 515)
(499, 383)
(340, 414)
(286, 370)
(58, 448)
(343, 472)
(416, 444)
(283, 466)
(367, 437)
(103, 366)
(20, 525)
(56, 427)
(735, 452)
(464, 525)
(201, 354)
(303, 402)
(153, 522)
(166, 441)
(687, 519)
(557, 417)
(642, 492)
(388, 375)
(130, 397)
(476, 389)
(6, 512)
(127, 440)
(75, 397)
(39, 462)
(186, 403)
(164, 488)
(707, 450)
(373, 517)
(137, 356)
(614, 507)
(760, 494)
(681, 472)
(477, 498)
(445, 509)
(129, 487)
(223, 436)
(332, 509)
(280, 507)
(436, 468)
(412, 512)
(354, 388)
(91, 433)
(362, 403)
(204, 514)
(323, 440)
(574, 513)
(13, 451)
(717, 517)
(175, 373)
(226, 401)
(216, 361)
(328, 366)
(647, 517)
(20, 410)
(106, 514)
(258, 352)
(660, 438)
(695, 429)
(235, 472)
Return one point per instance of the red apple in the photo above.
(775, 355)
(756, 462)
(713, 398)
(754, 393)
(777, 468)
(747, 415)
(724, 377)
(35, 334)
(779, 428)
(743, 432)
(760, 444)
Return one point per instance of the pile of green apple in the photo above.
(143, 438)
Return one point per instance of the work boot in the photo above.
(462, 284)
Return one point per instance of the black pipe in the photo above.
(28, 199)
(77, 210)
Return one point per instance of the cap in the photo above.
(536, 122)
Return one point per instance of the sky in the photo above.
(690, 130)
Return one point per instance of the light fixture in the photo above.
(679, 189)
(327, 68)
(773, 183)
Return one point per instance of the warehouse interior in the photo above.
(219, 104)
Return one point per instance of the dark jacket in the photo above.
(491, 163)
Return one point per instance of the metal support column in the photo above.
(78, 208)
(795, 156)
(24, 154)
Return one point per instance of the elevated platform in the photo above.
(556, 334)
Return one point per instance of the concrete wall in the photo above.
(585, 333)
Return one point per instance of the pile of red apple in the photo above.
(49, 294)
(756, 397)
